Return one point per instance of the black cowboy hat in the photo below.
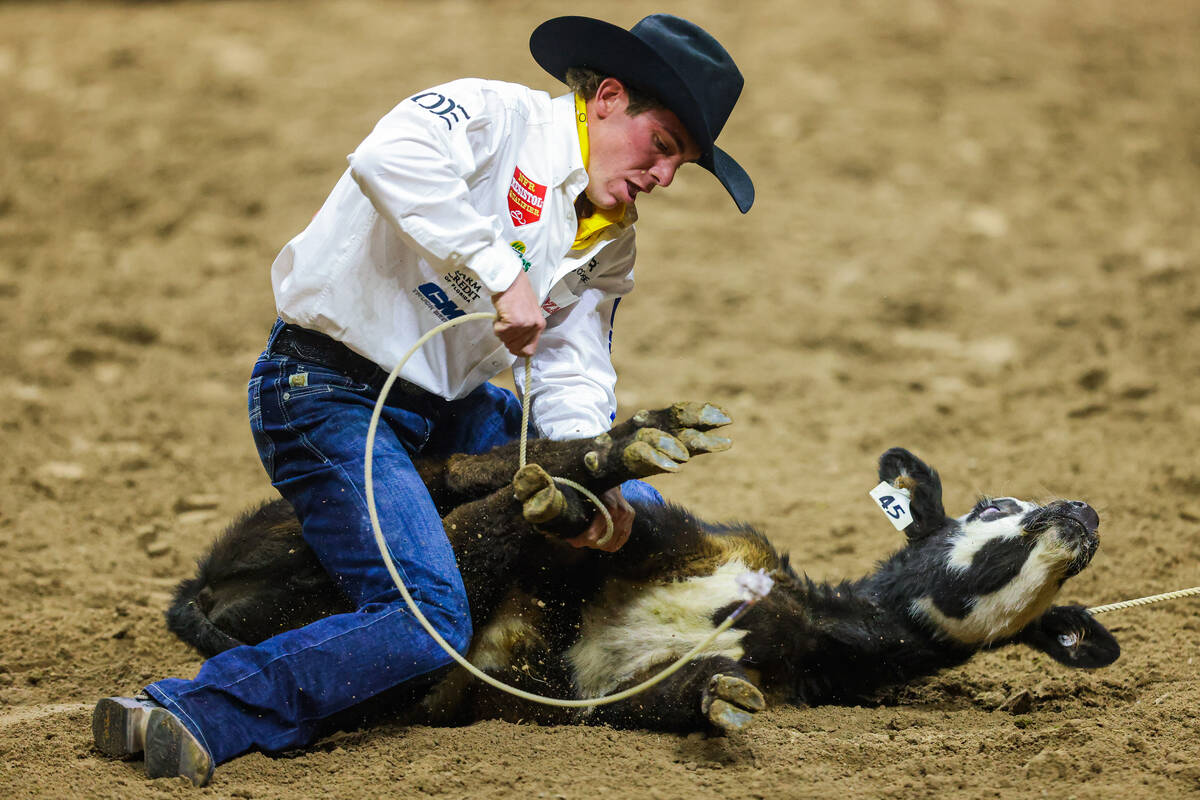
(670, 58)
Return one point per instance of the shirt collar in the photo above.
(568, 155)
(599, 221)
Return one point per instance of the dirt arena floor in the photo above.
(976, 235)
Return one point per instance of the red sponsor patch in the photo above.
(550, 306)
(525, 199)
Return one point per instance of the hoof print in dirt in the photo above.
(540, 497)
(730, 703)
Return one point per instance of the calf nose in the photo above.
(1084, 513)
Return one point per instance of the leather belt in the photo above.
(317, 348)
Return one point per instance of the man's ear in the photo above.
(903, 470)
(1070, 635)
(610, 97)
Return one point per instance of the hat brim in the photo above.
(564, 42)
(731, 175)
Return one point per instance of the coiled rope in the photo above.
(755, 586)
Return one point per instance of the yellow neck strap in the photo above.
(597, 220)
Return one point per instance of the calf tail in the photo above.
(188, 618)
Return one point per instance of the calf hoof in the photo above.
(653, 451)
(691, 424)
(730, 703)
(704, 416)
(541, 500)
(699, 415)
(702, 441)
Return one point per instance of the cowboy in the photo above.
(470, 196)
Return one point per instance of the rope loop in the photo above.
(608, 523)
(381, 543)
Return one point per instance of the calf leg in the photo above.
(649, 443)
(553, 507)
(637, 448)
(712, 693)
(488, 537)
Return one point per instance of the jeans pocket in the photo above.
(266, 448)
(308, 379)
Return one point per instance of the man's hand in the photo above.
(519, 320)
(622, 517)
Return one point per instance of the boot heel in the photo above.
(119, 725)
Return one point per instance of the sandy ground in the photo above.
(976, 236)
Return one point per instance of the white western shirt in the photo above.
(456, 190)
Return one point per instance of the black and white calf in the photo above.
(572, 623)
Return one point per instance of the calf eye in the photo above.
(989, 508)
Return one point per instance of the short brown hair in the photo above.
(585, 82)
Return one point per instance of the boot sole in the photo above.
(119, 726)
(173, 752)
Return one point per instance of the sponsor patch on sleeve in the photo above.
(525, 199)
(442, 107)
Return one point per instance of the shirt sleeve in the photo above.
(415, 166)
(573, 387)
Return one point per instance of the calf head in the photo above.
(990, 576)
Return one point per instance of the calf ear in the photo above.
(1070, 635)
(905, 471)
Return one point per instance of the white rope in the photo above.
(1145, 601)
(525, 404)
(437, 637)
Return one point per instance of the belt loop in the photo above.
(275, 329)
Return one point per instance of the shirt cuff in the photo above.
(496, 266)
(565, 429)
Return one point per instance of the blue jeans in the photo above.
(311, 432)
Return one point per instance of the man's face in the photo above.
(630, 155)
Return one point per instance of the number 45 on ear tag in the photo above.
(895, 503)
